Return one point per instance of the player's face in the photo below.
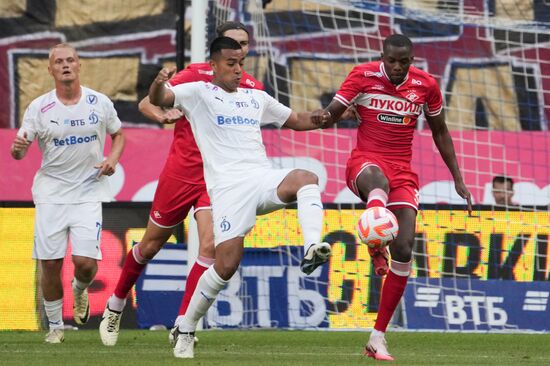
(397, 61)
(228, 68)
(64, 65)
(240, 36)
(503, 192)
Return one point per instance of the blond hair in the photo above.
(62, 45)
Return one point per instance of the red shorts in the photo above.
(173, 200)
(402, 180)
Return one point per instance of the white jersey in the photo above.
(226, 127)
(72, 139)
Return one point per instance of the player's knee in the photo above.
(401, 249)
(51, 267)
(307, 177)
(371, 178)
(226, 270)
(86, 268)
(150, 248)
(207, 251)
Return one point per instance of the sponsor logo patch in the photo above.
(398, 120)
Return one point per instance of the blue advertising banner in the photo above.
(268, 290)
(470, 304)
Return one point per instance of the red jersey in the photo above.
(184, 160)
(389, 112)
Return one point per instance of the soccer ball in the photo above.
(377, 227)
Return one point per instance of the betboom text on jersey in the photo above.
(73, 140)
(236, 120)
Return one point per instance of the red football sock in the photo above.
(377, 198)
(130, 272)
(392, 291)
(200, 266)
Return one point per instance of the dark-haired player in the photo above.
(240, 180)
(181, 186)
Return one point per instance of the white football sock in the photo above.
(116, 304)
(208, 287)
(310, 214)
(54, 312)
(377, 333)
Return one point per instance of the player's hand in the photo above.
(165, 74)
(171, 116)
(106, 167)
(463, 192)
(320, 117)
(20, 144)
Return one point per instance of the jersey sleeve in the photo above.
(186, 96)
(30, 123)
(434, 100)
(274, 112)
(350, 88)
(182, 77)
(112, 122)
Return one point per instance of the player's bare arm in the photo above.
(333, 113)
(301, 121)
(158, 114)
(20, 146)
(159, 94)
(108, 166)
(444, 143)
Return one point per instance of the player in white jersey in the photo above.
(70, 124)
(241, 183)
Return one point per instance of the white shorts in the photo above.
(56, 223)
(234, 208)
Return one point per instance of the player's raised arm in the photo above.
(158, 114)
(159, 94)
(444, 143)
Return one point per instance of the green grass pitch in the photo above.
(265, 348)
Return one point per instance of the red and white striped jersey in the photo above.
(389, 112)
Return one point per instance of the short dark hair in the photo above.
(503, 179)
(224, 27)
(397, 40)
(223, 43)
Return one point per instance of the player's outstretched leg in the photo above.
(310, 216)
(81, 304)
(315, 255)
(377, 347)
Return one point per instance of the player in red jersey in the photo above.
(389, 95)
(181, 186)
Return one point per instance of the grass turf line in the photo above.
(276, 347)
